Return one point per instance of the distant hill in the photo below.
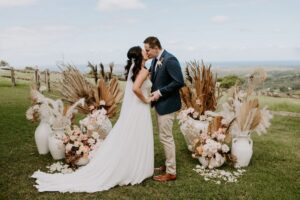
(220, 67)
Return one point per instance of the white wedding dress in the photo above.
(125, 157)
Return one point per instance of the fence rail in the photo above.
(37, 76)
(51, 79)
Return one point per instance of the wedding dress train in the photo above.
(125, 157)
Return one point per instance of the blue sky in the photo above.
(42, 32)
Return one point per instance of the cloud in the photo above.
(110, 5)
(297, 50)
(191, 48)
(220, 19)
(13, 3)
(116, 23)
(246, 30)
(276, 30)
(20, 40)
(172, 42)
(264, 1)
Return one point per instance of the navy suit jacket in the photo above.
(168, 79)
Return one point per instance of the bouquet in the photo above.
(97, 121)
(32, 113)
(79, 145)
(212, 146)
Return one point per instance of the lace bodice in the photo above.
(146, 87)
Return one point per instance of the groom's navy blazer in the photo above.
(168, 79)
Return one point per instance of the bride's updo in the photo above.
(135, 56)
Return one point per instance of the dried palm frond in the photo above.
(115, 90)
(248, 117)
(186, 96)
(188, 75)
(265, 123)
(202, 89)
(94, 71)
(215, 124)
(255, 79)
(74, 86)
(219, 93)
(103, 93)
(229, 127)
(111, 68)
(102, 71)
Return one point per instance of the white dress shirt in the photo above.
(158, 57)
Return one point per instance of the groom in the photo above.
(167, 79)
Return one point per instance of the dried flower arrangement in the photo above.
(243, 105)
(199, 92)
(74, 86)
(79, 145)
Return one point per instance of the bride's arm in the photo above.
(139, 80)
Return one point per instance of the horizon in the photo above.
(217, 65)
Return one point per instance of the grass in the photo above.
(274, 103)
(281, 104)
(273, 172)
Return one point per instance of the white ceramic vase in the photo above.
(191, 129)
(204, 162)
(41, 135)
(56, 145)
(211, 163)
(242, 149)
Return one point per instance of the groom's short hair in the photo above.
(153, 42)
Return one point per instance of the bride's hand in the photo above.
(149, 100)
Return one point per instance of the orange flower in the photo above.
(199, 150)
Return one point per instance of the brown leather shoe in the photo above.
(165, 177)
(160, 169)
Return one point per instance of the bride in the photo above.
(127, 154)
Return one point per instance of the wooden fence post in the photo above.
(37, 78)
(12, 74)
(47, 79)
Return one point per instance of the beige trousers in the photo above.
(165, 126)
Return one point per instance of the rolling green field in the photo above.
(274, 172)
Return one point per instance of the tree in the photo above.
(3, 63)
(229, 81)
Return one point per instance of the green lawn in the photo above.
(274, 172)
(281, 104)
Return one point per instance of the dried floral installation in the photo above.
(54, 111)
(199, 92)
(74, 86)
(243, 105)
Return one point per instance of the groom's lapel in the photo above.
(157, 69)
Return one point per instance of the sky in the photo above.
(44, 32)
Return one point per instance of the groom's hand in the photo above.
(152, 99)
(155, 95)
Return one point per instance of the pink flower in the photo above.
(86, 149)
(203, 136)
(221, 137)
(66, 139)
(84, 137)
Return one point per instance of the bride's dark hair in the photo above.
(135, 56)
